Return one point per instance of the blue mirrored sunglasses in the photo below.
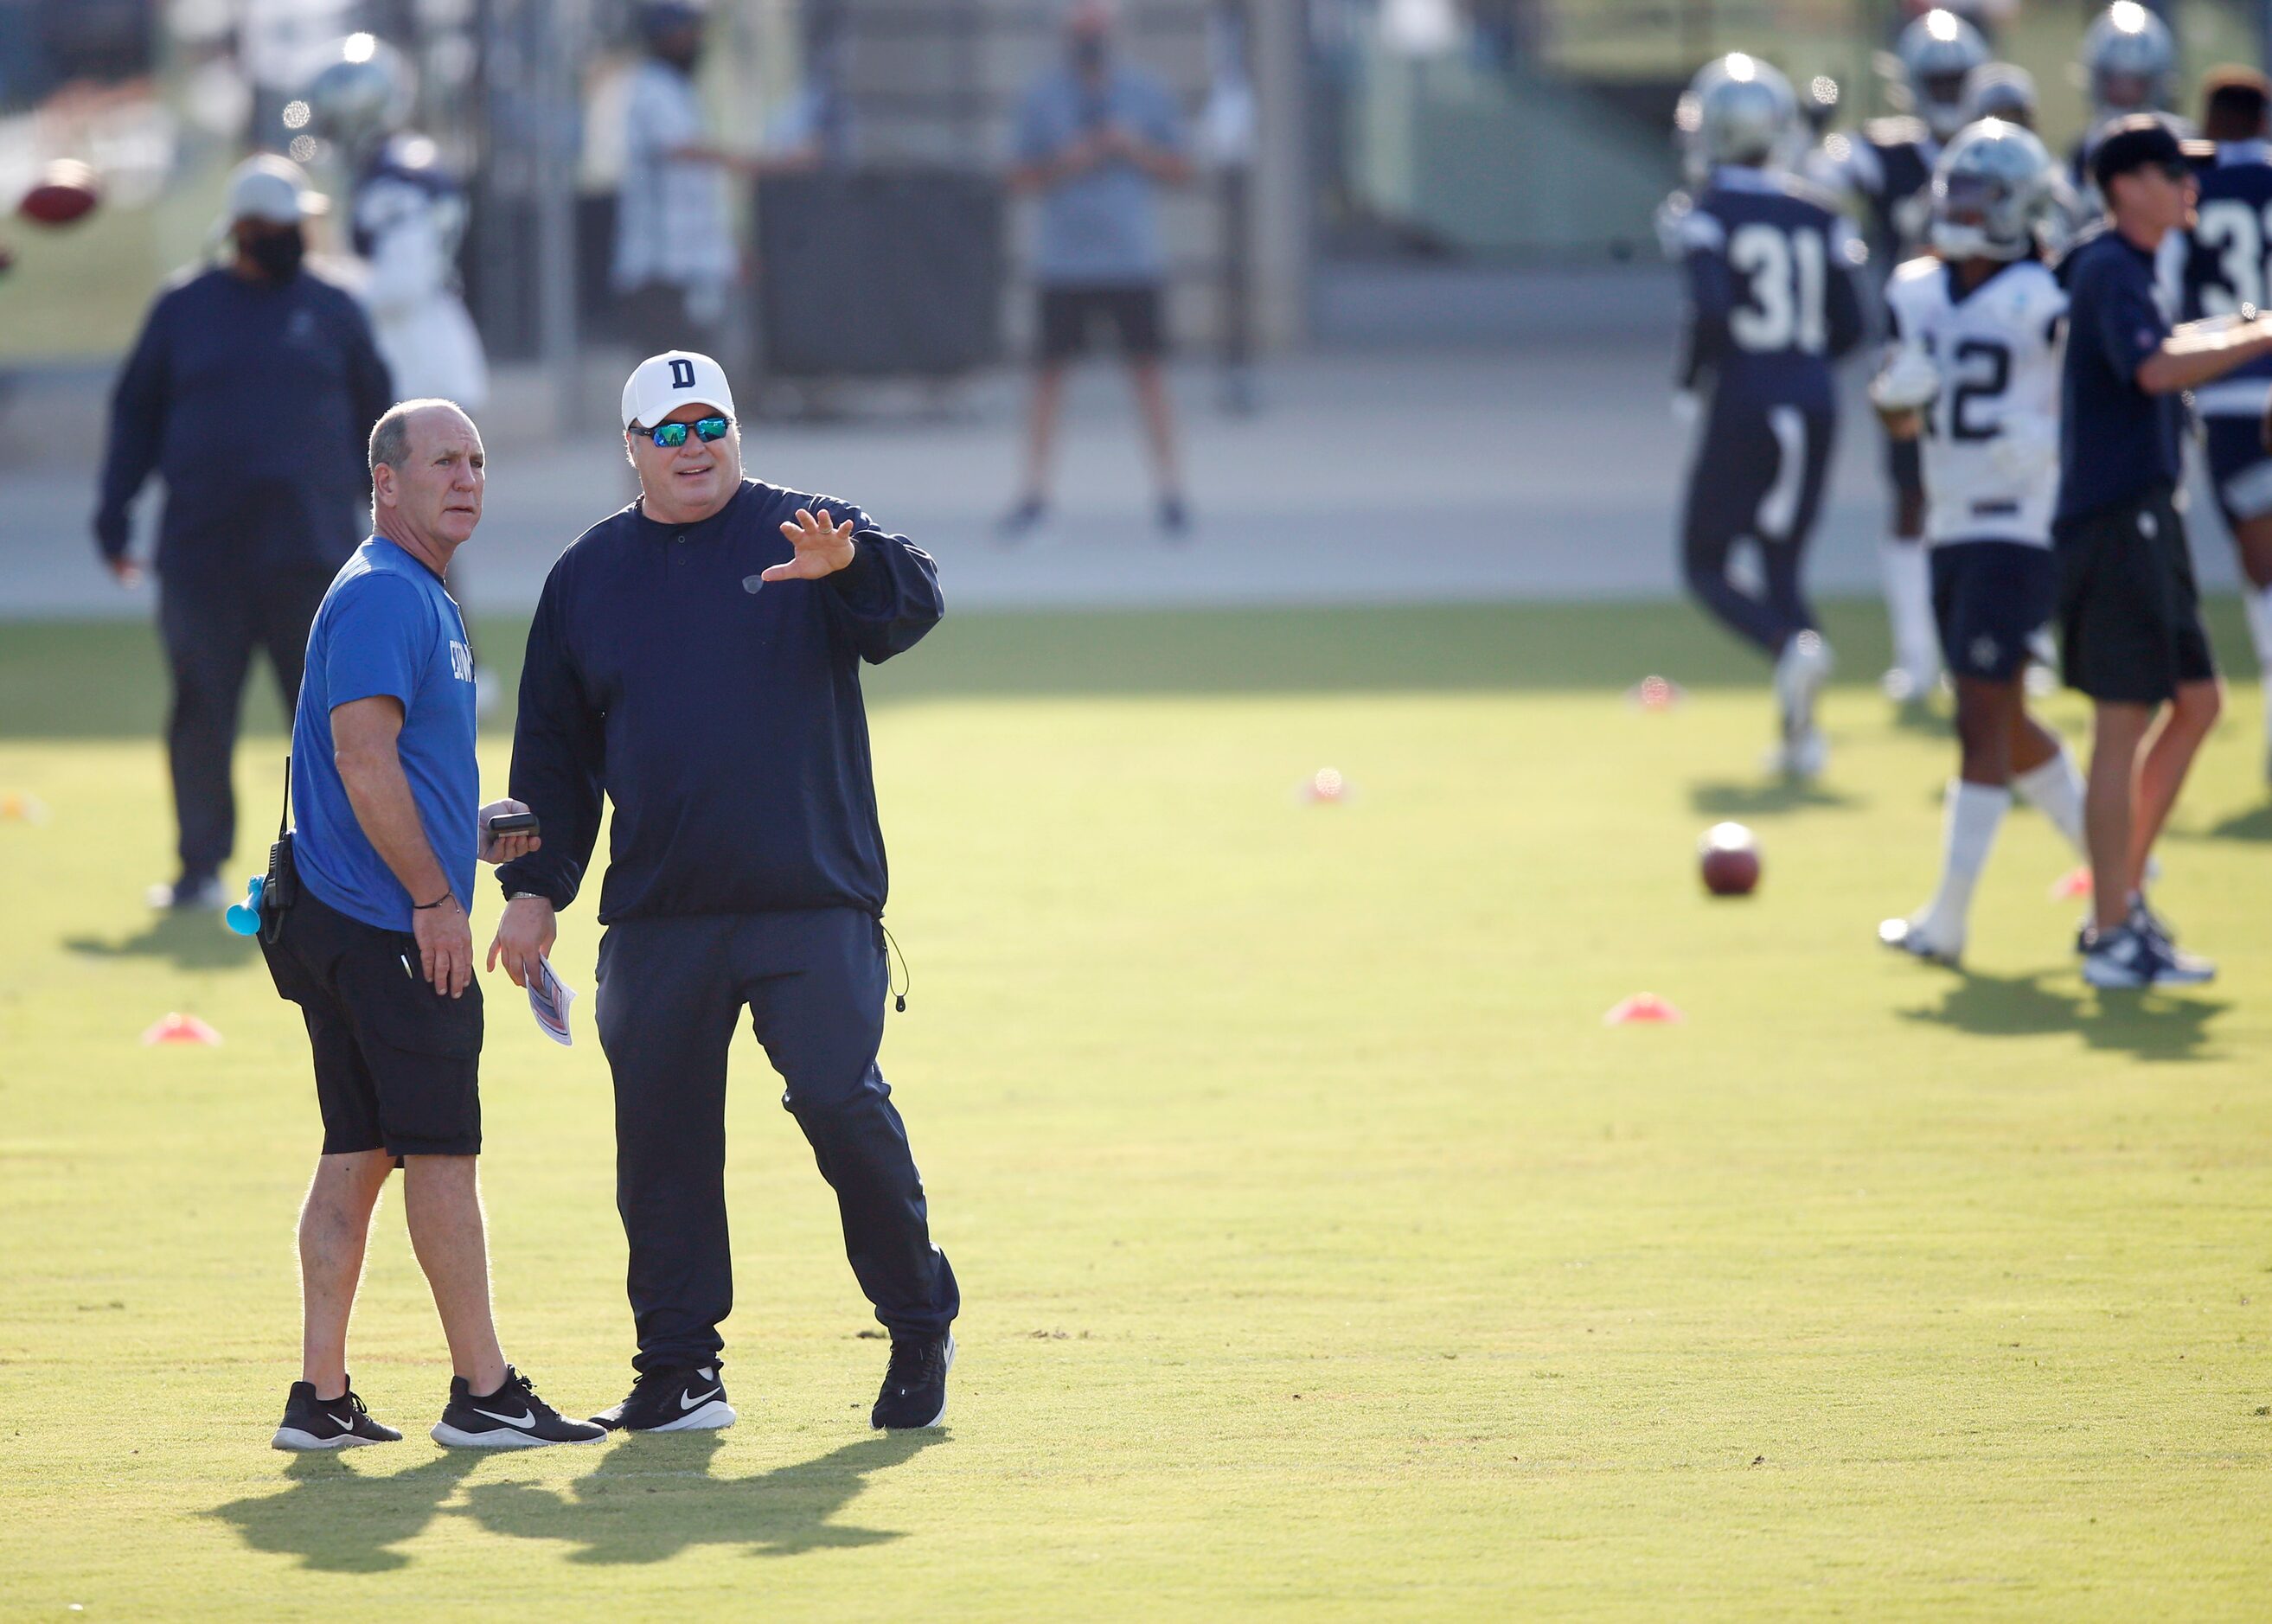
(670, 436)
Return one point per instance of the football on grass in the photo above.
(67, 191)
(1730, 859)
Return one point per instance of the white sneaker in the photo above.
(1912, 936)
(1800, 671)
(189, 896)
(1802, 757)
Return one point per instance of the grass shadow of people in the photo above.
(336, 1519)
(193, 938)
(654, 1496)
(2253, 824)
(2148, 1024)
(1761, 797)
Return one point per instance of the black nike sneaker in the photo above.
(512, 1418)
(915, 1383)
(342, 1423)
(672, 1400)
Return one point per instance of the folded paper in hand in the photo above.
(548, 1000)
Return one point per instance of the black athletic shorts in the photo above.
(1989, 600)
(1071, 316)
(2129, 615)
(397, 1065)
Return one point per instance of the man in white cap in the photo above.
(696, 657)
(251, 393)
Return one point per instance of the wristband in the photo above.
(421, 907)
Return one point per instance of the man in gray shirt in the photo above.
(1095, 141)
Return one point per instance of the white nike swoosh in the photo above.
(687, 1401)
(527, 1418)
(346, 1421)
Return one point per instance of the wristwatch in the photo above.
(526, 897)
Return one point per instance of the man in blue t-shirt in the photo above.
(2129, 614)
(376, 947)
(1095, 141)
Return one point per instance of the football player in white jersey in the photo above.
(408, 216)
(1974, 374)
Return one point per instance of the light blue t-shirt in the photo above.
(1103, 227)
(386, 626)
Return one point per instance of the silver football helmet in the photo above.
(1991, 191)
(366, 93)
(2001, 90)
(2129, 56)
(1938, 53)
(1738, 109)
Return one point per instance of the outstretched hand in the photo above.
(822, 547)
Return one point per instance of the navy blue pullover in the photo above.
(254, 403)
(721, 713)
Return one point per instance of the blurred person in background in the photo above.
(2128, 59)
(2226, 268)
(1888, 169)
(2131, 633)
(250, 392)
(1096, 139)
(407, 216)
(677, 256)
(1772, 301)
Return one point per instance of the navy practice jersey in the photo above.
(406, 174)
(1887, 167)
(1771, 295)
(2225, 262)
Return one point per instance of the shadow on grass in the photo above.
(653, 1497)
(2148, 1025)
(337, 1519)
(194, 940)
(649, 1499)
(2253, 824)
(1762, 797)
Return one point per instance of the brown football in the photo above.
(1730, 859)
(67, 191)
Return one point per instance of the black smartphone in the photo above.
(513, 824)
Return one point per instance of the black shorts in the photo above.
(1989, 600)
(397, 1065)
(1071, 316)
(2129, 615)
(2239, 471)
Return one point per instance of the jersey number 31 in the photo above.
(1787, 271)
(2235, 231)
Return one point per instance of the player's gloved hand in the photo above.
(1910, 383)
(524, 938)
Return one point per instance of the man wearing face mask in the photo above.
(251, 393)
(675, 255)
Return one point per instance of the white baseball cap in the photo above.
(272, 189)
(661, 383)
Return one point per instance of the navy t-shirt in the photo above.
(2117, 443)
(387, 627)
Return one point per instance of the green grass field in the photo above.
(1323, 1253)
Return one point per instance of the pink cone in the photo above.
(1643, 1007)
(179, 1028)
(2072, 886)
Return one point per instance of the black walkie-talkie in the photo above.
(281, 887)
